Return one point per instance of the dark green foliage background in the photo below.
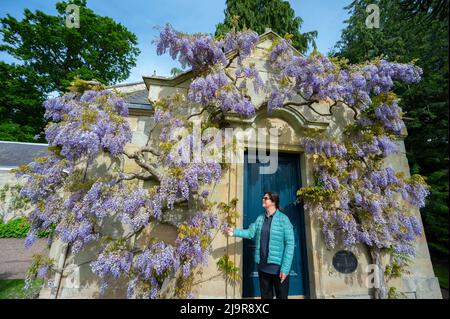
(261, 14)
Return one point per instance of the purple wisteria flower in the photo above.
(194, 51)
(244, 41)
(329, 148)
(390, 116)
(316, 77)
(111, 264)
(85, 126)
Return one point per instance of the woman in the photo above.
(274, 247)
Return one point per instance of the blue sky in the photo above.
(140, 16)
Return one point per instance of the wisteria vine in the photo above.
(355, 197)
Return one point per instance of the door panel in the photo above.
(285, 181)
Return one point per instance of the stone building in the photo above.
(316, 271)
(12, 155)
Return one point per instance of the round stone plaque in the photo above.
(345, 261)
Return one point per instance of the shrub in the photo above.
(18, 228)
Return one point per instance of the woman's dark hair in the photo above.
(274, 198)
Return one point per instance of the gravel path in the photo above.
(15, 258)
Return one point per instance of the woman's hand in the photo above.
(230, 231)
(282, 276)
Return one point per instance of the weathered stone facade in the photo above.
(13, 154)
(324, 281)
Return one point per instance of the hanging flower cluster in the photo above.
(148, 268)
(201, 52)
(318, 78)
(87, 124)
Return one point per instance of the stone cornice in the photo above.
(180, 78)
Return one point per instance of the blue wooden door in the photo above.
(285, 181)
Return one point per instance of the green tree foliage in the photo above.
(408, 35)
(50, 55)
(100, 48)
(175, 71)
(433, 8)
(261, 14)
(21, 111)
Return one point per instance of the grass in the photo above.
(441, 271)
(13, 289)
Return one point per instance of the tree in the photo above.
(258, 15)
(100, 48)
(50, 56)
(175, 71)
(404, 37)
(21, 111)
(355, 199)
(433, 8)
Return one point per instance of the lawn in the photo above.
(441, 271)
(13, 289)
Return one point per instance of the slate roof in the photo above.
(13, 154)
(138, 100)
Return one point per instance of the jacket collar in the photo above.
(274, 213)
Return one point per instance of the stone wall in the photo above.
(7, 212)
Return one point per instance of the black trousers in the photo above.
(267, 283)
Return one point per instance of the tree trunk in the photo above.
(380, 290)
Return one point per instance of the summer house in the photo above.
(316, 272)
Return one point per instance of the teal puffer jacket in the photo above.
(281, 239)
